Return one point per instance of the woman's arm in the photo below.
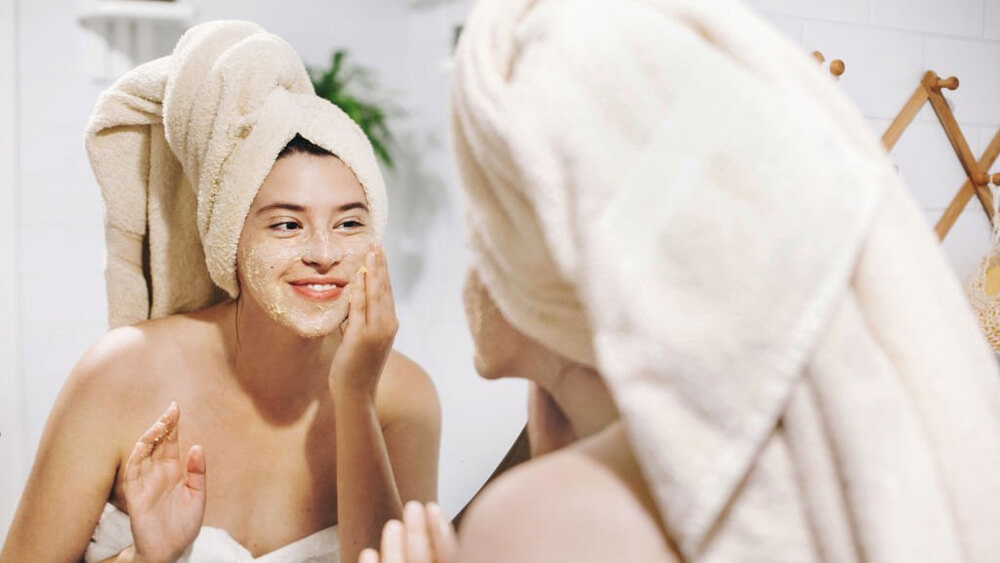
(75, 465)
(367, 496)
(410, 412)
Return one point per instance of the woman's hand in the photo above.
(165, 503)
(424, 536)
(371, 326)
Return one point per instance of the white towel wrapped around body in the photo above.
(180, 147)
(724, 239)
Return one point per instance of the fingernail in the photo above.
(435, 512)
(393, 527)
(412, 509)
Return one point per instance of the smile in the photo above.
(318, 291)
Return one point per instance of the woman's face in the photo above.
(304, 239)
(501, 349)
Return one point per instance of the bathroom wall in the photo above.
(11, 419)
(887, 46)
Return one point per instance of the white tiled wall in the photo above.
(11, 414)
(887, 46)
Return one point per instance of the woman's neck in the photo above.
(582, 396)
(281, 371)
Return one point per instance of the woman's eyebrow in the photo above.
(301, 208)
(281, 205)
(353, 205)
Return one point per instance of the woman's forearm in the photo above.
(367, 496)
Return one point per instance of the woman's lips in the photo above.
(318, 291)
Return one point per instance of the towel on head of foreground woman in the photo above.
(668, 191)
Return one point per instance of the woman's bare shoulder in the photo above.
(126, 362)
(404, 377)
(406, 391)
(569, 505)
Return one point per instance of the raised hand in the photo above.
(424, 536)
(371, 326)
(166, 500)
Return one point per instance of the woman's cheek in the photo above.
(262, 263)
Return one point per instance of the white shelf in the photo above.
(150, 10)
(121, 34)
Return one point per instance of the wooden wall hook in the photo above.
(837, 66)
(950, 83)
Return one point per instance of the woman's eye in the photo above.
(351, 224)
(285, 226)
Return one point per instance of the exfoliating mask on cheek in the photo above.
(274, 271)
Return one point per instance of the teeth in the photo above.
(321, 287)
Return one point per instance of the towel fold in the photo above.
(180, 147)
(724, 239)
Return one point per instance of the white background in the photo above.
(50, 201)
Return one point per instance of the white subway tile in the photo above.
(60, 248)
(787, 26)
(986, 133)
(883, 67)
(928, 164)
(954, 17)
(854, 11)
(991, 23)
(73, 300)
(975, 63)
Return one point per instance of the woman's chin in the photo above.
(314, 326)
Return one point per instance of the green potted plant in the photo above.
(339, 84)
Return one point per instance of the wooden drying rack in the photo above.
(978, 179)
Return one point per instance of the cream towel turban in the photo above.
(669, 191)
(181, 145)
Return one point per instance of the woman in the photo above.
(689, 239)
(290, 420)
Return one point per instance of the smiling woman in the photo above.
(259, 308)
(306, 234)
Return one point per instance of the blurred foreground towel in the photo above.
(180, 146)
(669, 191)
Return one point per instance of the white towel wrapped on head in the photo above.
(669, 191)
(180, 146)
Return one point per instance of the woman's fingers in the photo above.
(133, 467)
(196, 469)
(381, 306)
(442, 534)
(171, 419)
(424, 536)
(372, 282)
(385, 289)
(418, 547)
(392, 542)
(148, 446)
(359, 303)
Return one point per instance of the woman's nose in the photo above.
(321, 252)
